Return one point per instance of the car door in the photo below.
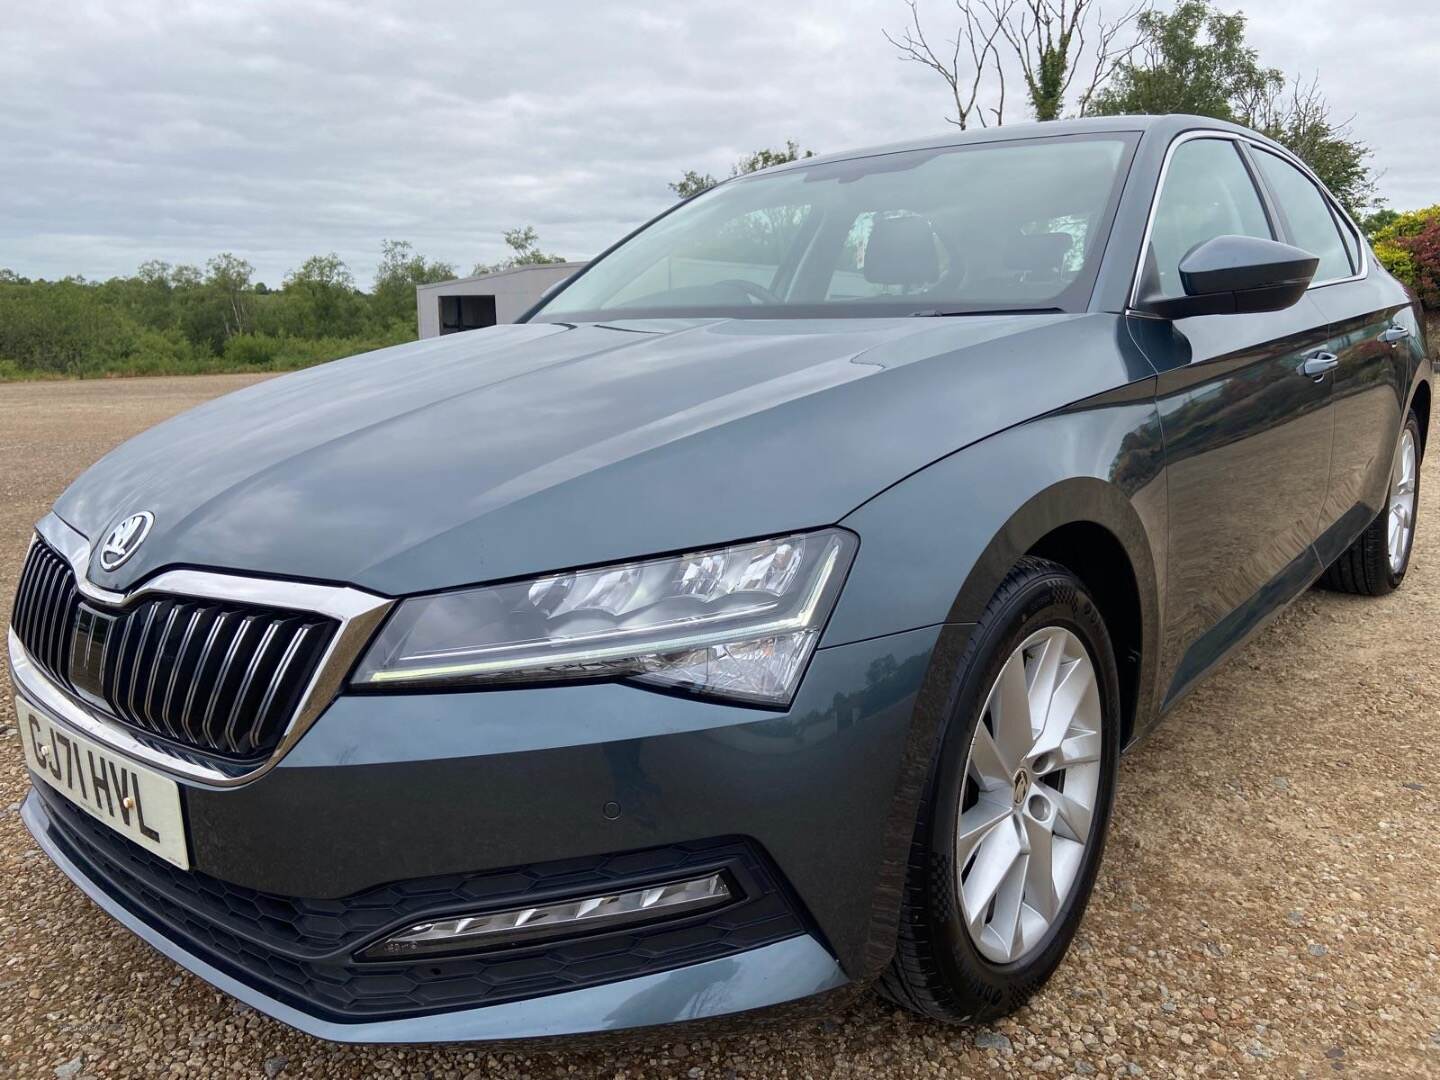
(1247, 431)
(1373, 369)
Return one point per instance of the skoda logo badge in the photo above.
(124, 539)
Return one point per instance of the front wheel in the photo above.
(1375, 563)
(1012, 827)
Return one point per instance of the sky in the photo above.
(175, 130)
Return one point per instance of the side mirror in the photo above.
(1237, 275)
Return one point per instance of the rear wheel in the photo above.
(1376, 562)
(1012, 827)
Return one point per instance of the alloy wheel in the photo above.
(1032, 780)
(1402, 502)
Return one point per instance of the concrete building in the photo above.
(448, 307)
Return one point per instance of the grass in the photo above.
(245, 354)
(10, 372)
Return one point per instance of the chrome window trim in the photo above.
(1280, 152)
(1342, 219)
(359, 614)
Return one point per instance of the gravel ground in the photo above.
(1269, 903)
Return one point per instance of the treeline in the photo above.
(1077, 58)
(167, 319)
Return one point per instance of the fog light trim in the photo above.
(490, 929)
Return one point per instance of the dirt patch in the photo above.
(1269, 904)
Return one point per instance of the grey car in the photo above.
(760, 618)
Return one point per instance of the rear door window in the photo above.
(1312, 222)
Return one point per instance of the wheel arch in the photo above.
(1091, 528)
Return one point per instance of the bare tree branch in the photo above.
(1112, 51)
(977, 34)
(1047, 38)
(1296, 114)
(999, 109)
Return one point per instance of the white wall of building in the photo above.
(514, 292)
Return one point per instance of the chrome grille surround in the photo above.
(43, 675)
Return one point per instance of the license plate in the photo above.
(136, 802)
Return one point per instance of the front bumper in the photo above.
(796, 967)
(387, 789)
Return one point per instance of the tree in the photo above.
(1195, 59)
(1299, 120)
(327, 272)
(1049, 40)
(212, 307)
(525, 250)
(186, 276)
(228, 276)
(165, 319)
(765, 158)
(62, 328)
(150, 294)
(693, 183)
(321, 294)
(1372, 223)
(154, 272)
(401, 270)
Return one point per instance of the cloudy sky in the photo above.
(174, 130)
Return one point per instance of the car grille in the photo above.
(218, 677)
(302, 951)
(45, 606)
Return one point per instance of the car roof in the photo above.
(1165, 126)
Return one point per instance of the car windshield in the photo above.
(1011, 225)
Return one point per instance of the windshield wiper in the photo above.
(938, 313)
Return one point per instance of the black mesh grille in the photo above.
(218, 677)
(302, 951)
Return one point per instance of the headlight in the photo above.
(737, 622)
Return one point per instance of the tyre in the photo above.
(1012, 824)
(1376, 562)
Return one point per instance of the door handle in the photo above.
(1395, 335)
(1317, 364)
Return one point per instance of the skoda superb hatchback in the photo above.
(762, 616)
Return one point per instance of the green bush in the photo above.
(170, 320)
(160, 352)
(1408, 245)
(59, 329)
(1397, 260)
(252, 351)
(13, 372)
(282, 352)
(68, 330)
